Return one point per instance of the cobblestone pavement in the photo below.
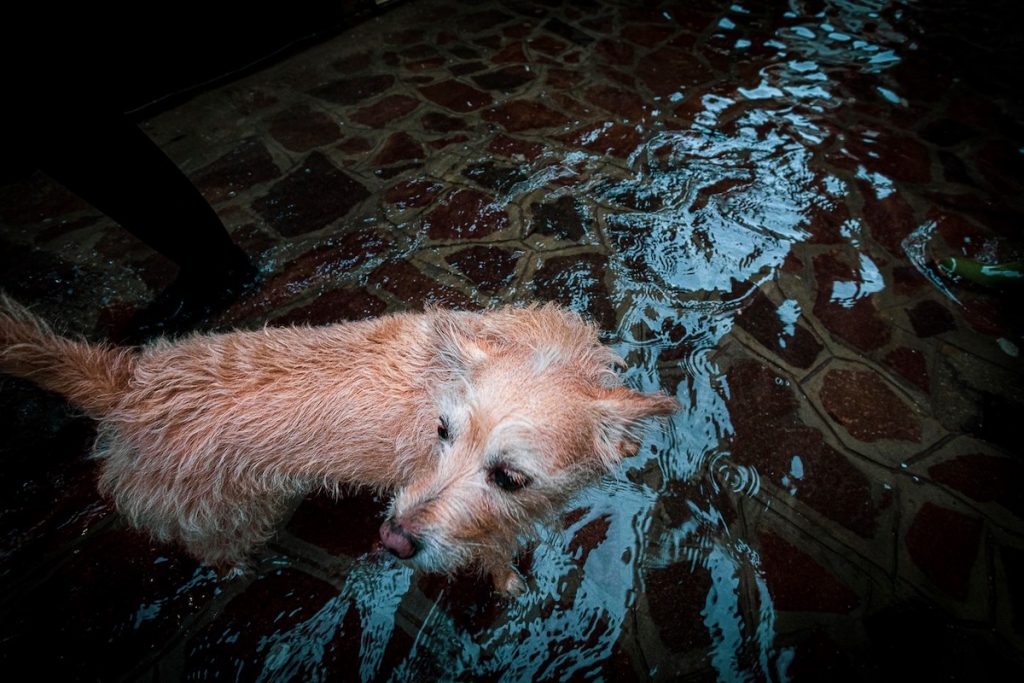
(749, 198)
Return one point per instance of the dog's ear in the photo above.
(458, 342)
(621, 413)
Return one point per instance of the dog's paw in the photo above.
(509, 583)
(235, 570)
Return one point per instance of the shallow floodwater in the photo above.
(749, 202)
(697, 218)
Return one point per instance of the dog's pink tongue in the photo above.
(396, 540)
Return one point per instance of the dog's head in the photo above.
(529, 409)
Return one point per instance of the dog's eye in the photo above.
(508, 479)
(442, 429)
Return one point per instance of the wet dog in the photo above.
(481, 423)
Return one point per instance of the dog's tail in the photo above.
(92, 376)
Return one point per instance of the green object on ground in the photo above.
(987, 274)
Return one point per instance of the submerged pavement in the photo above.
(749, 200)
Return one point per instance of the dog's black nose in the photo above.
(398, 540)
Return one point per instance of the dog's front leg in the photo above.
(505, 576)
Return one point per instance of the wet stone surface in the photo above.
(749, 201)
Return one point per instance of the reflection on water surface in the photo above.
(749, 199)
(698, 216)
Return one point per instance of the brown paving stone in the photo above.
(905, 159)
(350, 91)
(335, 306)
(890, 219)
(944, 545)
(578, 282)
(348, 526)
(907, 281)
(562, 219)
(792, 264)
(441, 143)
(831, 485)
(510, 54)
(627, 105)
(912, 364)
(50, 497)
(547, 45)
(520, 115)
(615, 51)
(466, 68)
(64, 227)
(465, 214)
(238, 639)
(605, 138)
(398, 147)
(599, 24)
(311, 197)
(761, 319)
(36, 199)
(667, 71)
(436, 122)
(120, 244)
(819, 657)
(489, 268)
(869, 410)
(954, 170)
(961, 235)
(467, 599)
(676, 599)
(647, 36)
(930, 318)
(572, 106)
(493, 43)
(355, 145)
(394, 171)
(385, 110)
(1000, 164)
(507, 146)
(519, 30)
(412, 193)
(568, 31)
(860, 323)
(797, 582)
(425, 63)
(494, 177)
(563, 79)
(985, 478)
(825, 223)
(505, 80)
(456, 96)
(300, 128)
(986, 315)
(36, 275)
(322, 264)
(119, 599)
(769, 434)
(415, 289)
(587, 538)
(247, 165)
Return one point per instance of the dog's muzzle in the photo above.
(398, 540)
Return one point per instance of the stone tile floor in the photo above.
(748, 198)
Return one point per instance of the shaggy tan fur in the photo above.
(480, 423)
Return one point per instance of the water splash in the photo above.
(298, 653)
